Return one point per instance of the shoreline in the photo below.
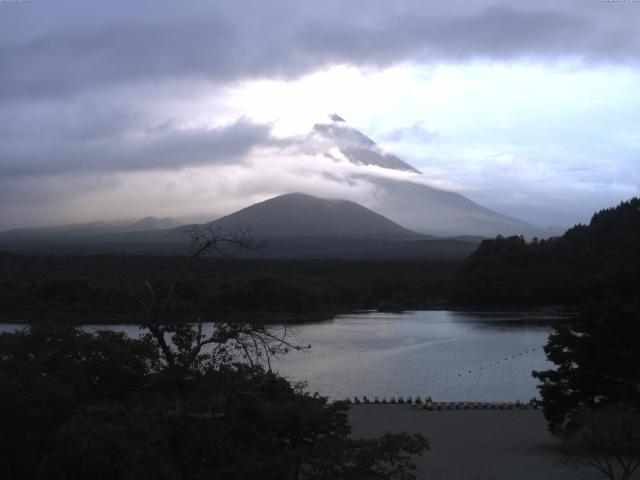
(533, 314)
(429, 405)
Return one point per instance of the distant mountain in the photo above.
(294, 225)
(58, 231)
(91, 228)
(297, 225)
(410, 201)
(441, 213)
(89, 237)
(302, 215)
(153, 223)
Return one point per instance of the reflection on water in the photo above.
(452, 356)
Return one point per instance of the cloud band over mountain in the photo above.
(95, 94)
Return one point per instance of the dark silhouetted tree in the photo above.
(597, 364)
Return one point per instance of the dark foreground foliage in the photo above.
(589, 263)
(103, 406)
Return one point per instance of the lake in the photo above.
(448, 355)
(451, 356)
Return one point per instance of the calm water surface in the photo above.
(452, 356)
(448, 355)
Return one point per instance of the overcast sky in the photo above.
(124, 109)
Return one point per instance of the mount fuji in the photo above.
(402, 194)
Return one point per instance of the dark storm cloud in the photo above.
(62, 122)
(163, 147)
(226, 41)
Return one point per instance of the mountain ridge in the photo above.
(97, 227)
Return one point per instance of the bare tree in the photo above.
(607, 440)
(185, 347)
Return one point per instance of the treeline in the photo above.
(97, 287)
(589, 263)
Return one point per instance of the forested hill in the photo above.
(589, 263)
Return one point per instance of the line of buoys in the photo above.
(433, 406)
(497, 362)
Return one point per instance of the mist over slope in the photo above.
(357, 147)
(402, 194)
(332, 161)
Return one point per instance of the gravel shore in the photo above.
(474, 444)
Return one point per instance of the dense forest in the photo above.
(87, 288)
(589, 263)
